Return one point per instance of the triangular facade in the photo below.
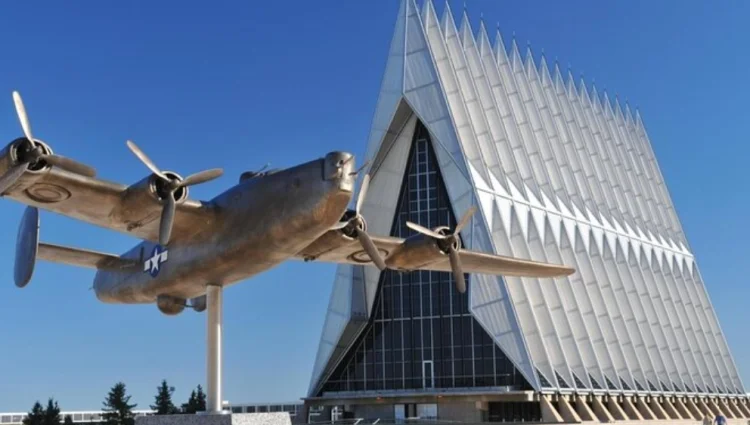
(559, 174)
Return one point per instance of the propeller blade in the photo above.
(146, 160)
(362, 193)
(201, 177)
(369, 246)
(425, 231)
(465, 219)
(11, 176)
(68, 164)
(22, 116)
(458, 271)
(167, 218)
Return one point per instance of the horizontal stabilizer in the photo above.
(83, 258)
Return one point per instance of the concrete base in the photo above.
(276, 418)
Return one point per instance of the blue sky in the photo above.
(239, 84)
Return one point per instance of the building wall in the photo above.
(468, 412)
(560, 174)
(384, 412)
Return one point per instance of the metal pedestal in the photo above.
(214, 311)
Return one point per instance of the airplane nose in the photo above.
(338, 165)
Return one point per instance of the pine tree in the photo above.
(189, 407)
(51, 413)
(116, 409)
(163, 400)
(36, 416)
(200, 400)
(68, 420)
(196, 403)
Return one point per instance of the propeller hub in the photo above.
(354, 224)
(451, 243)
(28, 151)
(162, 187)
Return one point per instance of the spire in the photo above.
(515, 55)
(583, 91)
(529, 61)
(446, 20)
(582, 85)
(484, 40)
(500, 53)
(618, 111)
(482, 28)
(628, 115)
(542, 63)
(638, 120)
(467, 36)
(596, 99)
(606, 104)
(559, 82)
(594, 93)
(426, 6)
(571, 85)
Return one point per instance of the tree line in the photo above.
(116, 408)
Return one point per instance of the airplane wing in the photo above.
(127, 209)
(33, 175)
(349, 251)
(83, 257)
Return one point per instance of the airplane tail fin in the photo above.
(28, 249)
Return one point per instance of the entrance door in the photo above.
(427, 411)
(399, 413)
(428, 374)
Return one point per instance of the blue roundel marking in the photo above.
(154, 263)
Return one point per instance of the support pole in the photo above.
(214, 310)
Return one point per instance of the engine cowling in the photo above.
(198, 303)
(418, 251)
(333, 239)
(9, 157)
(143, 200)
(170, 305)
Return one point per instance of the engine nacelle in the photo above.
(417, 251)
(198, 303)
(9, 158)
(333, 239)
(142, 201)
(170, 305)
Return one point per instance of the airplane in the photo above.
(192, 249)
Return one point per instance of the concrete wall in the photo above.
(373, 411)
(461, 412)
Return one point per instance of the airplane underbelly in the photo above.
(184, 271)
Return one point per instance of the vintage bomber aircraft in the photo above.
(192, 249)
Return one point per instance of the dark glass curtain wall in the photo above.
(421, 334)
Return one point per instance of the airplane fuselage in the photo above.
(263, 222)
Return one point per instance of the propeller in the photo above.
(30, 153)
(451, 244)
(356, 225)
(170, 185)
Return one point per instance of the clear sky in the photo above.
(238, 84)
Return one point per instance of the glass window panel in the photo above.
(434, 323)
